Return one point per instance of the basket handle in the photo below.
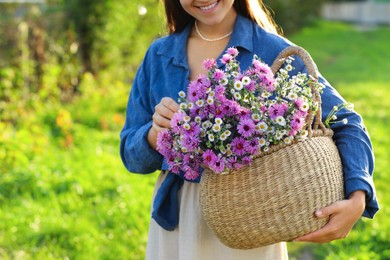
(313, 73)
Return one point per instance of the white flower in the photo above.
(288, 140)
(302, 135)
(205, 125)
(187, 119)
(238, 85)
(183, 106)
(223, 137)
(262, 142)
(216, 128)
(182, 94)
(187, 126)
(200, 102)
(218, 121)
(246, 80)
(283, 72)
(227, 133)
(237, 95)
(292, 96)
(289, 67)
(198, 119)
(190, 105)
(345, 121)
(334, 117)
(278, 135)
(255, 117)
(305, 106)
(184, 150)
(235, 74)
(224, 81)
(266, 94)
(349, 106)
(210, 101)
(280, 120)
(211, 137)
(262, 126)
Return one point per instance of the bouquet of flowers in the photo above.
(228, 117)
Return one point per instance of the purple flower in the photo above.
(208, 64)
(261, 67)
(177, 120)
(297, 122)
(226, 58)
(238, 146)
(253, 146)
(209, 157)
(218, 165)
(277, 110)
(232, 51)
(194, 91)
(164, 143)
(246, 127)
(247, 160)
(218, 74)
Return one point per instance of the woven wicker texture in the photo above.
(275, 198)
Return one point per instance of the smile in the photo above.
(208, 7)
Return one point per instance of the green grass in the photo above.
(67, 198)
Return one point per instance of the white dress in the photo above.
(193, 240)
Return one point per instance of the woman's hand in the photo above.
(161, 118)
(342, 216)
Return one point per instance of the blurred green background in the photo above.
(66, 69)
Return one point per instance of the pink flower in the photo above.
(218, 165)
(246, 127)
(277, 110)
(209, 157)
(218, 74)
(177, 120)
(208, 64)
(232, 51)
(253, 146)
(261, 67)
(226, 58)
(247, 160)
(297, 122)
(238, 146)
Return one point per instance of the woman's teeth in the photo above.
(206, 8)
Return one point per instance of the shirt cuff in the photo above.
(146, 156)
(365, 184)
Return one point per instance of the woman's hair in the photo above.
(178, 18)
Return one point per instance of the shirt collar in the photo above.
(176, 43)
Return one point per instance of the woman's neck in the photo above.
(225, 27)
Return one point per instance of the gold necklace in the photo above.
(207, 39)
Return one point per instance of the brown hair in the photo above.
(178, 18)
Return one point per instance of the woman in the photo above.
(204, 29)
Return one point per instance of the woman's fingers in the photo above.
(342, 216)
(164, 111)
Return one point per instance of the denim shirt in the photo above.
(164, 72)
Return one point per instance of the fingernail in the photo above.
(319, 213)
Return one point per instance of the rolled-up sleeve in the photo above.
(136, 153)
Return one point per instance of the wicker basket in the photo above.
(275, 198)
